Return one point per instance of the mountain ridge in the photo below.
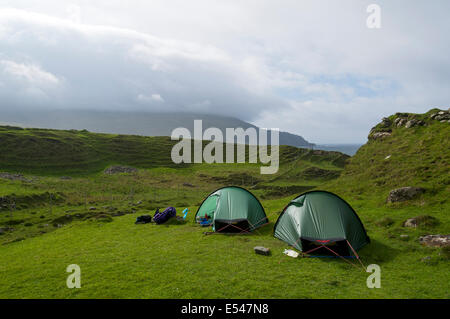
(133, 123)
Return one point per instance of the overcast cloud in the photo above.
(308, 67)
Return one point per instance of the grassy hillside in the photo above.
(72, 152)
(417, 156)
(67, 168)
(88, 219)
(414, 156)
(53, 152)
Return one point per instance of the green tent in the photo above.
(232, 209)
(319, 219)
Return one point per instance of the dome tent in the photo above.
(319, 219)
(232, 209)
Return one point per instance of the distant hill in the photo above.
(136, 123)
(55, 152)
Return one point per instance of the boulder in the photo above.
(410, 222)
(435, 240)
(422, 220)
(404, 194)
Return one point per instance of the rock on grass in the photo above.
(435, 240)
(404, 193)
(423, 221)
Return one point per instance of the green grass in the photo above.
(119, 259)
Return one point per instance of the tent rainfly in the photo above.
(232, 210)
(320, 219)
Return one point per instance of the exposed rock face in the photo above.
(404, 194)
(120, 169)
(414, 122)
(400, 121)
(380, 135)
(435, 240)
(407, 120)
(385, 122)
(441, 116)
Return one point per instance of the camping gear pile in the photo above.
(313, 221)
(162, 217)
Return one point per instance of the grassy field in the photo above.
(65, 210)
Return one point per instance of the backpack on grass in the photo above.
(162, 217)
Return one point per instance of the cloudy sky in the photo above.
(308, 67)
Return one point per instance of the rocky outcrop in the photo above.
(435, 240)
(414, 122)
(117, 169)
(404, 194)
(379, 135)
(441, 116)
(406, 120)
(385, 122)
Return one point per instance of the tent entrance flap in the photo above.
(339, 246)
(231, 226)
